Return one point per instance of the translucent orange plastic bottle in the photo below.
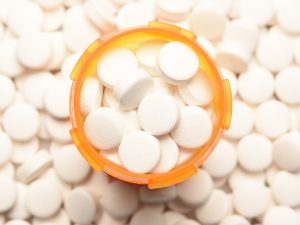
(132, 38)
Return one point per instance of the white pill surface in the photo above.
(254, 152)
(222, 160)
(59, 51)
(196, 190)
(60, 218)
(17, 222)
(234, 220)
(173, 217)
(286, 85)
(103, 128)
(139, 152)
(7, 91)
(6, 147)
(43, 198)
(227, 74)
(21, 121)
(157, 196)
(97, 182)
(91, 95)
(272, 118)
(177, 62)
(8, 193)
(187, 222)
(24, 150)
(194, 128)
(49, 5)
(130, 90)
(107, 71)
(158, 114)
(197, 91)
(169, 155)
(297, 51)
(279, 215)
(173, 11)
(58, 129)
(119, 199)
(147, 216)
(286, 151)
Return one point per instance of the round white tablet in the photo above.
(251, 199)
(279, 215)
(103, 128)
(173, 11)
(21, 121)
(8, 193)
(130, 121)
(272, 118)
(194, 128)
(129, 91)
(160, 86)
(80, 206)
(49, 4)
(188, 222)
(9, 64)
(43, 198)
(7, 91)
(158, 114)
(106, 218)
(254, 152)
(286, 189)
(169, 155)
(177, 62)
(109, 99)
(58, 130)
(234, 220)
(120, 199)
(172, 217)
(115, 64)
(56, 98)
(196, 190)
(214, 209)
(17, 222)
(157, 196)
(68, 65)
(23, 150)
(197, 91)
(91, 95)
(25, 17)
(242, 120)
(248, 88)
(178, 206)
(297, 51)
(60, 218)
(147, 216)
(6, 147)
(113, 156)
(222, 160)
(286, 151)
(7, 170)
(70, 166)
(97, 182)
(147, 54)
(59, 51)
(286, 85)
(139, 152)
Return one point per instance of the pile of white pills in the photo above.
(251, 178)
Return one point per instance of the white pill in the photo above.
(281, 215)
(286, 85)
(172, 217)
(251, 199)
(177, 62)
(59, 51)
(70, 166)
(68, 65)
(43, 133)
(297, 51)
(91, 95)
(9, 64)
(197, 91)
(129, 91)
(7, 92)
(160, 86)
(6, 147)
(227, 74)
(17, 222)
(187, 222)
(109, 99)
(147, 54)
(254, 152)
(106, 218)
(222, 160)
(56, 98)
(80, 206)
(25, 17)
(194, 128)
(35, 86)
(113, 156)
(134, 14)
(234, 220)
(147, 216)
(60, 218)
(139, 152)
(130, 121)
(242, 120)
(168, 156)
(286, 151)
(173, 11)
(19, 210)
(58, 130)
(158, 114)
(103, 128)
(49, 4)
(274, 51)
(248, 88)
(76, 20)
(196, 190)
(208, 13)
(120, 199)
(43, 198)
(96, 182)
(8, 193)
(107, 71)
(157, 196)
(178, 206)
(272, 118)
(21, 121)
(286, 189)
(7, 170)
(214, 209)
(24, 150)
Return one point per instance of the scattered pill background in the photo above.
(252, 176)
